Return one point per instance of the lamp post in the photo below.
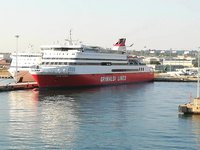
(198, 72)
(170, 67)
(17, 37)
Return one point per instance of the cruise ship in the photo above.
(21, 65)
(76, 65)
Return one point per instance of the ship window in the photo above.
(106, 63)
(124, 70)
(141, 69)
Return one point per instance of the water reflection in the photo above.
(23, 115)
(93, 112)
(54, 119)
(194, 121)
(58, 119)
(46, 122)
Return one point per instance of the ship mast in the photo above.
(70, 38)
(70, 34)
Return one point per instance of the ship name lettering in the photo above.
(112, 78)
(121, 78)
(108, 79)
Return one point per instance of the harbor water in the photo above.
(126, 117)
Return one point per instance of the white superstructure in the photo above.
(21, 65)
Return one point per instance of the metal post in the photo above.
(170, 67)
(198, 73)
(17, 37)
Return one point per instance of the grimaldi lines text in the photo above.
(76, 65)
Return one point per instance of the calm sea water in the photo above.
(127, 117)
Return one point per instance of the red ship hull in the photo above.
(83, 80)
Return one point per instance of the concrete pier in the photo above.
(18, 86)
(190, 108)
(166, 78)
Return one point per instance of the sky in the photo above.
(154, 24)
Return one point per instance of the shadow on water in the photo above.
(31, 99)
(195, 118)
(109, 90)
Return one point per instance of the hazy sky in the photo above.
(156, 24)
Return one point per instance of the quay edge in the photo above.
(18, 86)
